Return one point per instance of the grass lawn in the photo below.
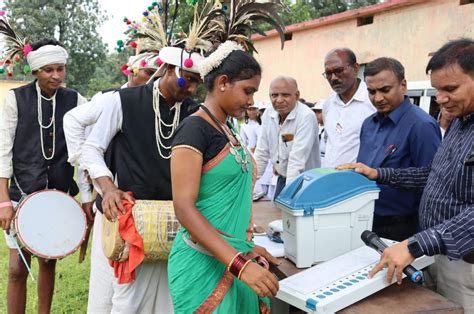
(71, 289)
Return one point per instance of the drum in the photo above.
(49, 224)
(155, 221)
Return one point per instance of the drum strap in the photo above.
(23, 194)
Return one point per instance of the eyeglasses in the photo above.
(337, 71)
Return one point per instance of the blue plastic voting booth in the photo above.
(324, 211)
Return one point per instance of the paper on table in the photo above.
(275, 249)
(323, 274)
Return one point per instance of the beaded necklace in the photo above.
(51, 123)
(159, 135)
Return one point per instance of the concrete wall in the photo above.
(408, 33)
(6, 85)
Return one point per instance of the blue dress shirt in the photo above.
(407, 137)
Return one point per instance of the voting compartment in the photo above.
(324, 212)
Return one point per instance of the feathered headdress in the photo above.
(150, 33)
(16, 48)
(233, 25)
(236, 20)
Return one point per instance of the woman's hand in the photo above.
(259, 250)
(260, 280)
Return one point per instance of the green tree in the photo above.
(305, 10)
(108, 74)
(73, 22)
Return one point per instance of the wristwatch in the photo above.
(414, 247)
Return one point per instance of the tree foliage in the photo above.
(108, 74)
(305, 10)
(73, 22)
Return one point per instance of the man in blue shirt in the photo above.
(398, 135)
(447, 204)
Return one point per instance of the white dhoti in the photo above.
(149, 293)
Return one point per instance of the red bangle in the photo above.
(6, 204)
(238, 263)
(243, 267)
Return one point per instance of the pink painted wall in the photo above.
(406, 33)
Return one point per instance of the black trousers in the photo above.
(396, 228)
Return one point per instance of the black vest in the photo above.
(136, 162)
(31, 170)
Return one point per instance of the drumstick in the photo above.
(82, 252)
(20, 252)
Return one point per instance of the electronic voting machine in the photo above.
(333, 285)
(324, 212)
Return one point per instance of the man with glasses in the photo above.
(346, 109)
(446, 209)
(289, 136)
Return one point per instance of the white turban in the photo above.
(179, 57)
(45, 55)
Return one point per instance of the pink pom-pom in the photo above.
(159, 62)
(27, 49)
(143, 64)
(188, 63)
(124, 66)
(127, 72)
(2, 12)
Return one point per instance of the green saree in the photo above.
(198, 282)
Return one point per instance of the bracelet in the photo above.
(237, 264)
(232, 260)
(243, 267)
(262, 261)
(6, 204)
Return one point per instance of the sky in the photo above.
(113, 29)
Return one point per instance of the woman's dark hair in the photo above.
(460, 51)
(259, 119)
(44, 42)
(238, 66)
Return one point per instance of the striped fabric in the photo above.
(447, 206)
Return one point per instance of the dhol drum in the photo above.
(155, 221)
(49, 224)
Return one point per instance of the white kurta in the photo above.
(8, 124)
(292, 157)
(149, 292)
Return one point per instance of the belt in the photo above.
(395, 219)
(469, 258)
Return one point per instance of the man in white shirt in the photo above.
(345, 110)
(33, 157)
(77, 126)
(140, 153)
(289, 136)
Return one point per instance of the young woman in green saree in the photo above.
(212, 265)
